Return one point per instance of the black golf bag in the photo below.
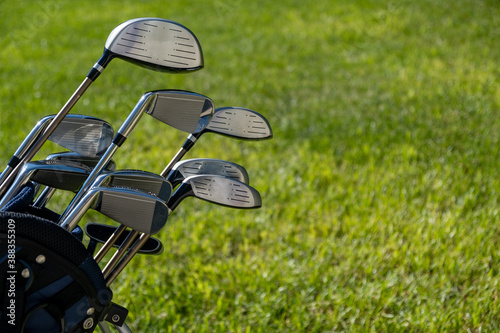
(48, 279)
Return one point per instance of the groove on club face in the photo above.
(240, 123)
(207, 166)
(184, 110)
(85, 135)
(158, 44)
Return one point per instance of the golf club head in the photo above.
(217, 189)
(183, 110)
(65, 175)
(240, 123)
(133, 208)
(90, 161)
(136, 179)
(206, 166)
(85, 135)
(102, 232)
(156, 44)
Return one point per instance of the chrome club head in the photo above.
(133, 208)
(240, 123)
(157, 44)
(85, 135)
(217, 189)
(183, 110)
(61, 174)
(206, 166)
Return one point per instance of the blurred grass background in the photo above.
(380, 187)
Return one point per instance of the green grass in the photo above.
(380, 188)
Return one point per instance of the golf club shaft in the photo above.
(126, 259)
(118, 254)
(109, 243)
(35, 147)
(44, 197)
(176, 159)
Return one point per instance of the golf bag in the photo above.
(49, 280)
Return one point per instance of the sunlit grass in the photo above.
(380, 187)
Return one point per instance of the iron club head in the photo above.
(133, 208)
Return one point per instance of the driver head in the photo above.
(157, 44)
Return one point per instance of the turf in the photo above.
(380, 187)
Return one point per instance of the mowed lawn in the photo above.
(380, 187)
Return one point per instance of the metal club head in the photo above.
(184, 110)
(240, 123)
(206, 166)
(157, 44)
(136, 179)
(133, 208)
(85, 135)
(217, 189)
(64, 175)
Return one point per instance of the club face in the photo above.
(157, 44)
(132, 208)
(184, 110)
(207, 166)
(140, 180)
(240, 123)
(85, 135)
(224, 191)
